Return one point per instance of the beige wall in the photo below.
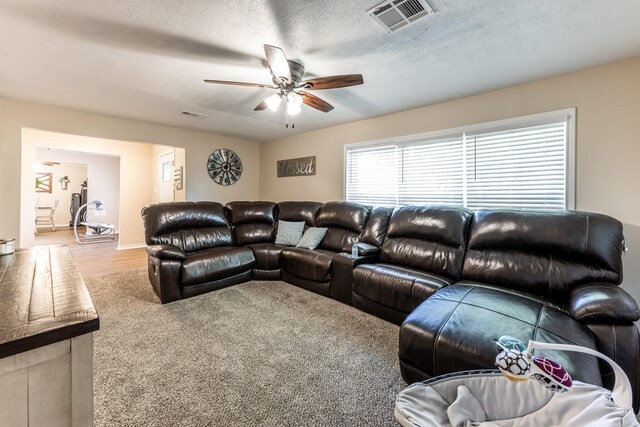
(607, 99)
(17, 115)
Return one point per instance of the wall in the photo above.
(103, 171)
(77, 174)
(17, 115)
(607, 99)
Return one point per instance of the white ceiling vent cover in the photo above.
(394, 15)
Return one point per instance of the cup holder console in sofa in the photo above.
(454, 279)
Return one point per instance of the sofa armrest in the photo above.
(166, 252)
(602, 303)
(365, 249)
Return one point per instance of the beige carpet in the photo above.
(256, 354)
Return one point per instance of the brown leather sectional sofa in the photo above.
(454, 279)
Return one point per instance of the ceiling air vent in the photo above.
(192, 114)
(394, 15)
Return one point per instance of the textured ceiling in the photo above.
(146, 60)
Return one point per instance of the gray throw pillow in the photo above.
(289, 233)
(312, 238)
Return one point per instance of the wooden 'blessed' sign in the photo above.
(297, 167)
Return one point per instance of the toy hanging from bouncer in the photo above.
(95, 232)
(516, 362)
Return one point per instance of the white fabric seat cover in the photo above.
(490, 400)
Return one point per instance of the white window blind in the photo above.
(431, 172)
(517, 168)
(520, 164)
(372, 175)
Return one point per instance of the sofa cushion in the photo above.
(191, 226)
(376, 229)
(543, 253)
(396, 287)
(289, 232)
(345, 222)
(428, 238)
(312, 265)
(253, 222)
(267, 255)
(215, 264)
(299, 211)
(455, 328)
(312, 238)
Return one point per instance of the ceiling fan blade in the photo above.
(225, 82)
(262, 106)
(277, 62)
(315, 102)
(333, 82)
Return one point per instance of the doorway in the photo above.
(124, 192)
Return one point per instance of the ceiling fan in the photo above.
(291, 89)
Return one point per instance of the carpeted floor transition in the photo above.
(260, 353)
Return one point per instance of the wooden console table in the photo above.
(47, 322)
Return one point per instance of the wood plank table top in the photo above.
(43, 300)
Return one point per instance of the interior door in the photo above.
(165, 178)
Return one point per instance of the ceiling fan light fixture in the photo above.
(293, 109)
(294, 99)
(273, 102)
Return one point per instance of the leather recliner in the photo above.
(191, 250)
(422, 252)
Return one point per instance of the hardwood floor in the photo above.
(94, 259)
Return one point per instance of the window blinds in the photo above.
(431, 172)
(519, 167)
(372, 175)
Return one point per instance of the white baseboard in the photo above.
(131, 246)
(65, 225)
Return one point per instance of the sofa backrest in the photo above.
(429, 238)
(299, 211)
(191, 226)
(376, 228)
(252, 222)
(345, 222)
(544, 253)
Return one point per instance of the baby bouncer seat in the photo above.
(505, 397)
(95, 231)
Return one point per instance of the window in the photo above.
(525, 162)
